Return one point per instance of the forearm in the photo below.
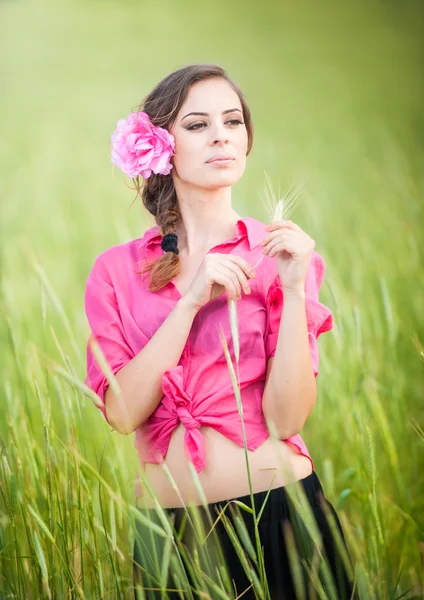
(290, 391)
(140, 380)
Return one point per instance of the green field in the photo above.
(336, 93)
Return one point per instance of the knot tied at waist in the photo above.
(180, 405)
(186, 418)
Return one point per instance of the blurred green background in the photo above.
(336, 93)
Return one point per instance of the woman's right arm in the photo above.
(140, 380)
(140, 377)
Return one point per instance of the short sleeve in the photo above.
(318, 316)
(103, 315)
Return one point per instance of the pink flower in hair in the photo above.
(139, 147)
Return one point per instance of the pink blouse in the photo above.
(123, 315)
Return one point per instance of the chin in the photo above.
(219, 179)
(219, 182)
(223, 179)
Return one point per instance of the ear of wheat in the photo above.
(278, 208)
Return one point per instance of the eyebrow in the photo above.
(203, 114)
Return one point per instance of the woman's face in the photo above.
(219, 131)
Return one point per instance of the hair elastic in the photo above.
(169, 243)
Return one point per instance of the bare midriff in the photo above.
(225, 474)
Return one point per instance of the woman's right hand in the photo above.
(219, 273)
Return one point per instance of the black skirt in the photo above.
(280, 530)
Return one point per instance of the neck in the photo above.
(207, 219)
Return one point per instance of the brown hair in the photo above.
(158, 192)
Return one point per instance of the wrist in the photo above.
(294, 293)
(187, 306)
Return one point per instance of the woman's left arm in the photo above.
(290, 389)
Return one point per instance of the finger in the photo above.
(281, 237)
(283, 223)
(240, 274)
(290, 247)
(250, 272)
(278, 233)
(230, 281)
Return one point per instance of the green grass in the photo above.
(336, 91)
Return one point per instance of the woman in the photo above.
(161, 337)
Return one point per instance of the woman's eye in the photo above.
(195, 126)
(198, 125)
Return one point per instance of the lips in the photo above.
(220, 157)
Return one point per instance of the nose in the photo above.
(220, 135)
(219, 141)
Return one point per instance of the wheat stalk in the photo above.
(277, 210)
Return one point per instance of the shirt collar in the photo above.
(253, 229)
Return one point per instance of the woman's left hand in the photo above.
(292, 248)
